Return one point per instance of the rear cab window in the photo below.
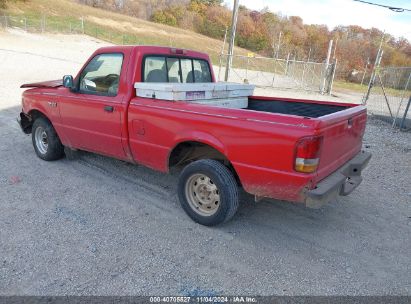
(176, 69)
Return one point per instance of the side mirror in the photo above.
(68, 81)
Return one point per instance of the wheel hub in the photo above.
(202, 194)
(41, 140)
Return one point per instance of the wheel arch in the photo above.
(188, 151)
(35, 113)
(29, 118)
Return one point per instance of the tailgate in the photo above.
(343, 133)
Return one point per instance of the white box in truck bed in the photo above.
(192, 91)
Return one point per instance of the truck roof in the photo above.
(154, 50)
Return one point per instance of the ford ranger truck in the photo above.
(295, 150)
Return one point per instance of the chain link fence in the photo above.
(390, 96)
(279, 73)
(69, 25)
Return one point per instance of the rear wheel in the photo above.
(208, 192)
(46, 142)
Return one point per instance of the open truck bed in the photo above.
(298, 107)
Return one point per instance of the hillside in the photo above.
(65, 16)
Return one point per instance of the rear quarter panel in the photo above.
(260, 146)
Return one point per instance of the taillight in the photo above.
(307, 154)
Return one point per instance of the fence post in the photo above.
(43, 23)
(365, 70)
(82, 25)
(286, 64)
(405, 114)
(332, 78)
(402, 99)
(246, 68)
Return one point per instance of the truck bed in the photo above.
(293, 107)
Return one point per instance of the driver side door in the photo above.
(91, 115)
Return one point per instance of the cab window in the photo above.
(102, 75)
(173, 69)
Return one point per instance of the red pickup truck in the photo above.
(288, 149)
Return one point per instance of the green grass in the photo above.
(356, 87)
(350, 86)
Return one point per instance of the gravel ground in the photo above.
(99, 226)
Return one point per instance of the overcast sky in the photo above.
(341, 12)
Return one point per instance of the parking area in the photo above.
(98, 226)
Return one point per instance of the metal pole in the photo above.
(332, 79)
(405, 114)
(402, 99)
(278, 45)
(376, 66)
(276, 57)
(246, 69)
(373, 75)
(232, 39)
(335, 48)
(222, 53)
(365, 70)
(327, 62)
(286, 64)
(44, 23)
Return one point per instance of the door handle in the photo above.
(108, 108)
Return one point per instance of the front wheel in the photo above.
(208, 192)
(46, 142)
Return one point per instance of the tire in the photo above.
(208, 192)
(46, 142)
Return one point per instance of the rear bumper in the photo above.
(342, 182)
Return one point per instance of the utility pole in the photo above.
(278, 45)
(335, 48)
(232, 39)
(222, 52)
(327, 63)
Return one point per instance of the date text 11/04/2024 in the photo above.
(204, 299)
